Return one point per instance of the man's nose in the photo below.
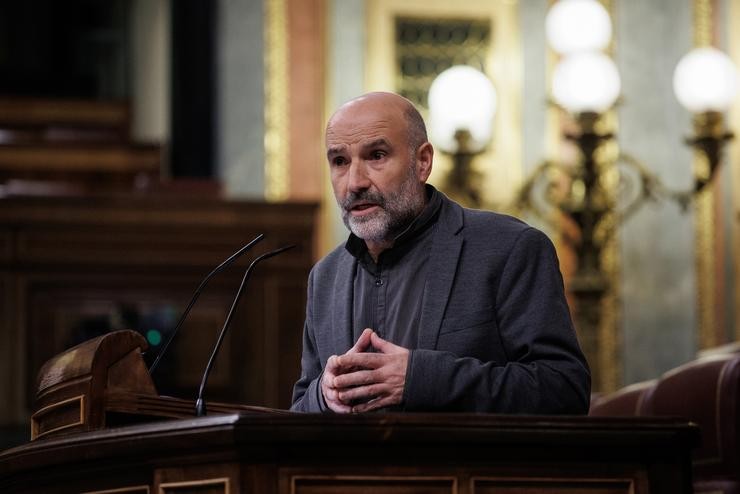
(358, 178)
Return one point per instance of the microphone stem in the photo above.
(200, 405)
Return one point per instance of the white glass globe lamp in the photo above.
(461, 99)
(586, 82)
(578, 25)
(705, 80)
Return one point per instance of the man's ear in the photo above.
(424, 158)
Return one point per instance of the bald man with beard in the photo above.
(429, 306)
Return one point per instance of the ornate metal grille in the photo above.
(426, 47)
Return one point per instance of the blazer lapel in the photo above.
(342, 300)
(443, 260)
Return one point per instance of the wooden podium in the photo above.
(87, 393)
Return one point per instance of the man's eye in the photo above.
(338, 161)
(376, 155)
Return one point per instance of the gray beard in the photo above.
(396, 211)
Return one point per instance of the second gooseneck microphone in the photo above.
(200, 404)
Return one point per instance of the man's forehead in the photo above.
(344, 133)
(352, 125)
(335, 146)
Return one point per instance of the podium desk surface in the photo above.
(307, 453)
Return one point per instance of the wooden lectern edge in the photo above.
(263, 428)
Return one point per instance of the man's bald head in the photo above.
(376, 101)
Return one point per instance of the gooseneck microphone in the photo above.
(200, 404)
(236, 255)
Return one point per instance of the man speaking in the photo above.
(429, 306)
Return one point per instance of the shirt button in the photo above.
(378, 282)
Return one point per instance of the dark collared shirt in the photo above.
(387, 294)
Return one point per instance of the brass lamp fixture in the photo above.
(705, 82)
(462, 106)
(578, 198)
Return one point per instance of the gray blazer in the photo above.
(495, 329)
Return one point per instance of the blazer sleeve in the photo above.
(307, 396)
(544, 371)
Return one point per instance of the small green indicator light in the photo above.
(154, 337)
